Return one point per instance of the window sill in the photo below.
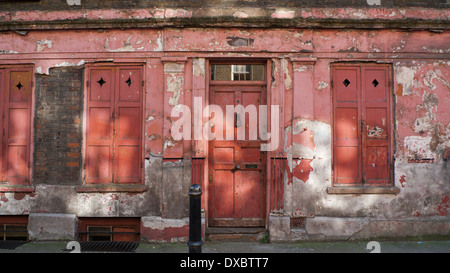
(111, 188)
(362, 190)
(16, 188)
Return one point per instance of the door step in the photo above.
(228, 234)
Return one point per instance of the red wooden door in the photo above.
(362, 125)
(16, 102)
(114, 125)
(237, 167)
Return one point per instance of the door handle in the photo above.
(237, 167)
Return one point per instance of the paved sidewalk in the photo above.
(442, 246)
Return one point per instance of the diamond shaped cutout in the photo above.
(19, 86)
(101, 81)
(346, 82)
(129, 81)
(375, 83)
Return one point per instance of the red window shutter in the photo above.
(3, 88)
(114, 125)
(17, 126)
(347, 144)
(128, 123)
(377, 124)
(99, 126)
(362, 125)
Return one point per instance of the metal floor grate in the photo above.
(108, 246)
(11, 244)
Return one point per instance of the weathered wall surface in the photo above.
(80, 4)
(175, 72)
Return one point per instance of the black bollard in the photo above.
(195, 219)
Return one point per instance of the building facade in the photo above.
(338, 125)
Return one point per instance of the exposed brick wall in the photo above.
(130, 4)
(58, 127)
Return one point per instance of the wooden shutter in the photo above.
(17, 125)
(128, 124)
(99, 126)
(362, 125)
(114, 125)
(347, 136)
(3, 88)
(377, 124)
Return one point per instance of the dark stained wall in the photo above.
(12, 5)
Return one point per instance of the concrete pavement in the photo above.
(411, 246)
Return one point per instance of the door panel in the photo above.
(237, 167)
(347, 126)
(102, 84)
(345, 81)
(249, 195)
(17, 163)
(99, 123)
(346, 164)
(223, 205)
(130, 85)
(128, 165)
(98, 160)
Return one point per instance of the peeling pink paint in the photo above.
(301, 170)
(444, 205)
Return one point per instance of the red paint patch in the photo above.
(167, 234)
(403, 180)
(300, 171)
(19, 195)
(444, 205)
(3, 197)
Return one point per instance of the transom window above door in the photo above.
(237, 72)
